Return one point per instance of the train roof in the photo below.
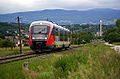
(38, 22)
(58, 26)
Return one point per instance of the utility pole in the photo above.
(19, 34)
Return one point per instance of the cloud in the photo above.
(10, 6)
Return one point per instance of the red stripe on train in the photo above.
(51, 38)
(30, 40)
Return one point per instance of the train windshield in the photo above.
(40, 29)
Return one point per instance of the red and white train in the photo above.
(45, 35)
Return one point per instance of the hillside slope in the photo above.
(65, 16)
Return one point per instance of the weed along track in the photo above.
(45, 54)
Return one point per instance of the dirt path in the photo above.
(115, 47)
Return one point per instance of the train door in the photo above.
(67, 38)
(63, 37)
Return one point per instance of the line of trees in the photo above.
(113, 35)
(81, 37)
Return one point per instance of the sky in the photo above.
(12, 6)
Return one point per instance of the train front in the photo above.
(38, 35)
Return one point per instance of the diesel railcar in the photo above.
(45, 35)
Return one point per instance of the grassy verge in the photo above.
(90, 62)
(116, 43)
(9, 51)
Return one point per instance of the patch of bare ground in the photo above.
(30, 74)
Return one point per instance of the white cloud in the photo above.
(8, 6)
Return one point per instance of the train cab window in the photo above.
(61, 34)
(65, 35)
(56, 31)
(40, 29)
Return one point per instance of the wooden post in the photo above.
(19, 35)
(25, 67)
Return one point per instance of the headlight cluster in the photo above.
(33, 37)
(45, 37)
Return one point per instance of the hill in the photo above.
(64, 17)
(89, 27)
(10, 28)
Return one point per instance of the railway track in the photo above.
(18, 57)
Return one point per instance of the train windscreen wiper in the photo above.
(41, 31)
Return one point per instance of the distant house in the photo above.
(16, 40)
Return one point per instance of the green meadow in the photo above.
(96, 61)
(16, 50)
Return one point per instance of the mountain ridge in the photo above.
(62, 16)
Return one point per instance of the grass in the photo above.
(90, 62)
(116, 43)
(75, 45)
(9, 51)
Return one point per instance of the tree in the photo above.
(106, 37)
(2, 36)
(118, 23)
(81, 38)
(113, 35)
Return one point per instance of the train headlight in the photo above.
(33, 37)
(45, 37)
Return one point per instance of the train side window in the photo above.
(61, 34)
(56, 31)
(65, 35)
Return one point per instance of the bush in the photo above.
(113, 35)
(6, 43)
(68, 64)
(26, 44)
